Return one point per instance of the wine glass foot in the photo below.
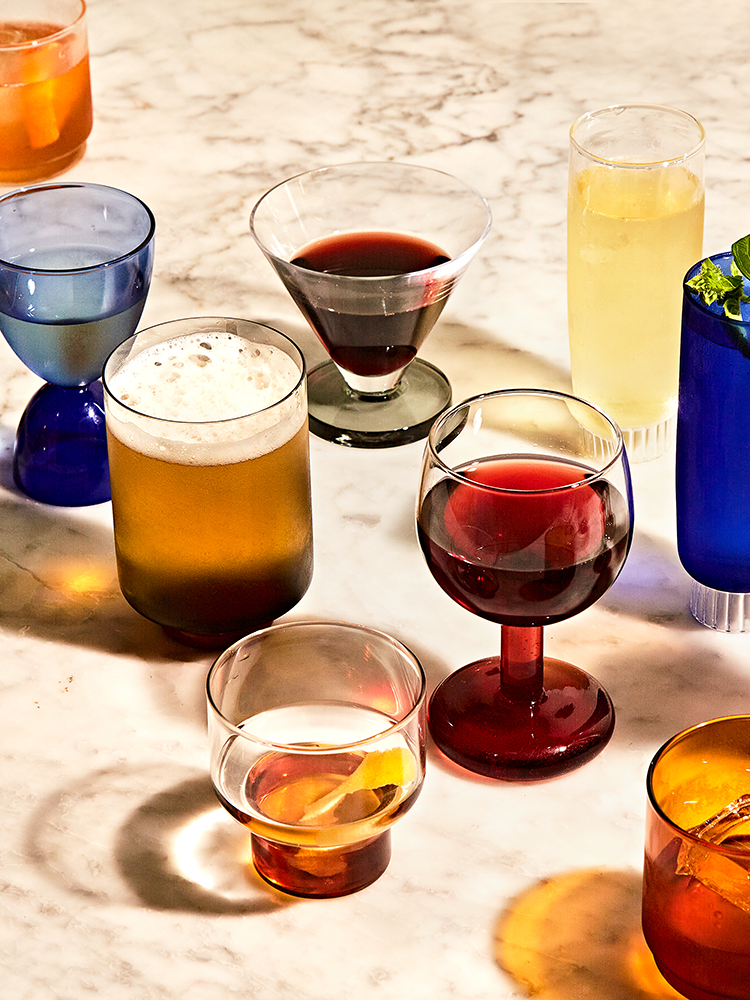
(339, 414)
(60, 454)
(482, 730)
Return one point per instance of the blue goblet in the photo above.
(75, 270)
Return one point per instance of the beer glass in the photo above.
(45, 90)
(317, 742)
(696, 885)
(209, 468)
(635, 225)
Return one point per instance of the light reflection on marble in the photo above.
(119, 875)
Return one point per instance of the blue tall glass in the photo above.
(713, 459)
(75, 270)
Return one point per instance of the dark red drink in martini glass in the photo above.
(370, 253)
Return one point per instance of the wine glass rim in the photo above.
(69, 185)
(593, 476)
(449, 264)
(631, 164)
(402, 723)
(127, 344)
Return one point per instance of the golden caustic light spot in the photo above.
(579, 935)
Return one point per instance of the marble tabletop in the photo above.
(120, 876)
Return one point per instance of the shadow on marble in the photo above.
(476, 361)
(664, 671)
(58, 581)
(176, 850)
(7, 440)
(579, 935)
(665, 681)
(652, 586)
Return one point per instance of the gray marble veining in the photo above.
(119, 875)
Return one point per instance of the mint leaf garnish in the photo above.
(726, 289)
(741, 255)
(713, 285)
(732, 306)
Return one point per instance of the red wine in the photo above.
(524, 559)
(374, 343)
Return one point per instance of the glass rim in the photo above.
(46, 39)
(447, 265)
(646, 164)
(298, 356)
(70, 185)
(466, 404)
(673, 741)
(397, 725)
(695, 298)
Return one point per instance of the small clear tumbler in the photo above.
(317, 737)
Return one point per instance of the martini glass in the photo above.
(525, 518)
(75, 270)
(370, 253)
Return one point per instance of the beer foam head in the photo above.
(206, 398)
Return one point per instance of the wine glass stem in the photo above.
(522, 663)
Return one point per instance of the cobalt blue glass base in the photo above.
(60, 454)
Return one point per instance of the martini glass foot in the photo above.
(339, 414)
(483, 730)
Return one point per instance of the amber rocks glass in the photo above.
(45, 88)
(696, 886)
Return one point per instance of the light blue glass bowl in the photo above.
(75, 269)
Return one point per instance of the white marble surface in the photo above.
(119, 876)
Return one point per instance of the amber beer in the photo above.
(209, 467)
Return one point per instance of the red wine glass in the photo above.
(370, 253)
(525, 518)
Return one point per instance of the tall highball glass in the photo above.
(712, 470)
(635, 225)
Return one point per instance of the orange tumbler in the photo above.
(45, 88)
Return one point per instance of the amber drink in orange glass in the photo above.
(696, 887)
(45, 88)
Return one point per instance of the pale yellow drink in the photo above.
(632, 236)
(635, 226)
